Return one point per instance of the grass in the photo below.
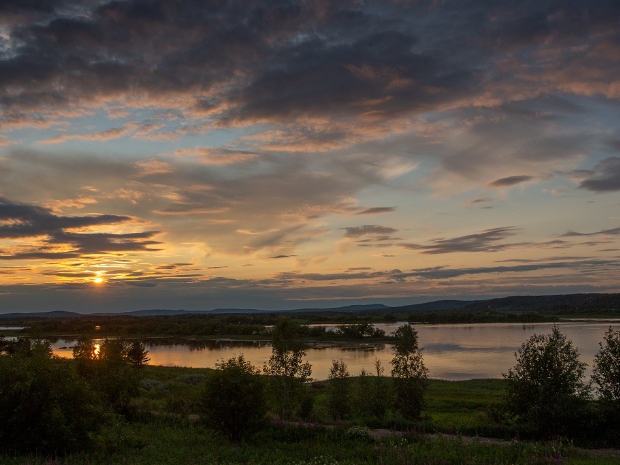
(162, 433)
(160, 441)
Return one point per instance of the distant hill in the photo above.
(553, 304)
(54, 314)
(567, 303)
(435, 306)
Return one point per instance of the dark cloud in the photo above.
(509, 181)
(276, 60)
(376, 210)
(607, 177)
(372, 229)
(478, 201)
(605, 232)
(57, 236)
(485, 241)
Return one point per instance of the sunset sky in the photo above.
(285, 154)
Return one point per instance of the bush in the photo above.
(44, 406)
(409, 373)
(545, 390)
(233, 400)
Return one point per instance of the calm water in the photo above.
(452, 352)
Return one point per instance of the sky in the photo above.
(293, 154)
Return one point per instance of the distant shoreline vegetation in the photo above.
(353, 322)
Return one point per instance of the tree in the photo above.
(338, 391)
(409, 373)
(286, 368)
(45, 406)
(110, 371)
(233, 399)
(606, 373)
(545, 391)
(137, 355)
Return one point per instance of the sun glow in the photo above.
(98, 280)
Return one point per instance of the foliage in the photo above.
(409, 373)
(339, 387)
(372, 394)
(286, 368)
(606, 373)
(233, 400)
(545, 389)
(137, 355)
(110, 371)
(44, 406)
(359, 331)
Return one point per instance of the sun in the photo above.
(98, 280)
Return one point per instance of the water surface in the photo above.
(452, 352)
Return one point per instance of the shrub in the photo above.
(44, 406)
(545, 389)
(233, 400)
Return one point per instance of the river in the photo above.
(451, 352)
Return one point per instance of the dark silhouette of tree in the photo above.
(606, 375)
(45, 407)
(546, 392)
(338, 390)
(233, 400)
(109, 370)
(137, 355)
(288, 372)
(409, 373)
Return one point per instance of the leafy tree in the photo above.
(338, 392)
(409, 373)
(109, 371)
(233, 400)
(545, 389)
(45, 406)
(286, 368)
(606, 373)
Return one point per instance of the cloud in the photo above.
(214, 156)
(367, 229)
(376, 210)
(153, 166)
(509, 181)
(109, 134)
(605, 232)
(485, 241)
(478, 201)
(606, 177)
(47, 235)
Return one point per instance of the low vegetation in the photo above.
(62, 411)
